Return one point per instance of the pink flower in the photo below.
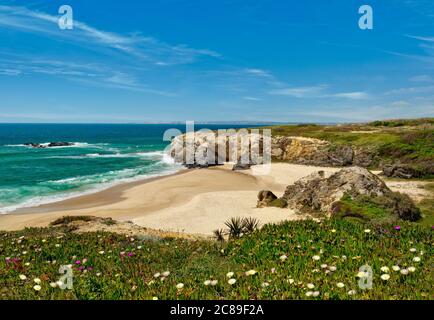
(397, 228)
(78, 262)
(130, 254)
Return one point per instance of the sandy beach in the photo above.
(192, 201)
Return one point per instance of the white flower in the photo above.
(37, 287)
(207, 282)
(309, 293)
(179, 286)
(340, 285)
(385, 277)
(157, 275)
(57, 245)
(154, 298)
(232, 281)
(53, 284)
(411, 269)
(315, 294)
(396, 268)
(166, 273)
(23, 277)
(283, 257)
(310, 285)
(352, 292)
(27, 264)
(101, 252)
(37, 280)
(290, 281)
(362, 274)
(98, 274)
(265, 284)
(214, 282)
(316, 258)
(416, 259)
(273, 270)
(323, 266)
(404, 271)
(251, 273)
(140, 247)
(230, 274)
(385, 269)
(367, 230)
(333, 230)
(413, 250)
(332, 268)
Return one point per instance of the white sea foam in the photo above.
(150, 154)
(119, 177)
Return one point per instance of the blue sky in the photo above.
(207, 60)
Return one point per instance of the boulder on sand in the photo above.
(265, 197)
(321, 193)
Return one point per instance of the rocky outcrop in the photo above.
(320, 192)
(399, 171)
(265, 197)
(48, 145)
(207, 149)
(298, 150)
(311, 151)
(317, 192)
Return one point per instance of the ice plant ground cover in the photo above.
(109, 266)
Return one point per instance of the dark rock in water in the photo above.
(240, 166)
(60, 144)
(265, 197)
(50, 145)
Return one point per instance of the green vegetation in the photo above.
(427, 206)
(377, 209)
(409, 142)
(294, 260)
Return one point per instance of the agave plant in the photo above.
(235, 226)
(250, 224)
(219, 234)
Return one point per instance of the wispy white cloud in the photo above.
(252, 99)
(258, 72)
(92, 74)
(318, 92)
(140, 47)
(422, 78)
(300, 92)
(410, 90)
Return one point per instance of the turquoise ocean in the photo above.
(102, 156)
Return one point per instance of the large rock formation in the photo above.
(298, 150)
(319, 192)
(209, 149)
(311, 151)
